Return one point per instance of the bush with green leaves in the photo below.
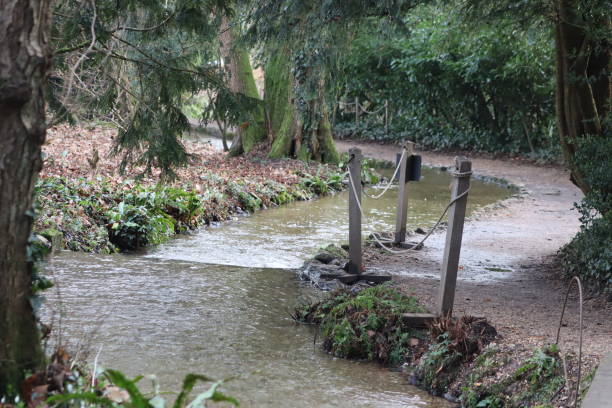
(589, 254)
(454, 85)
(364, 325)
(536, 380)
(83, 396)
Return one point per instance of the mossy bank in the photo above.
(462, 359)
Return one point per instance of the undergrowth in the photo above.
(104, 217)
(67, 383)
(365, 325)
(535, 382)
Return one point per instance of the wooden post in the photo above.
(454, 233)
(354, 266)
(402, 195)
(387, 117)
(356, 112)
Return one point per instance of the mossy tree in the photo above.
(237, 64)
(24, 59)
(292, 134)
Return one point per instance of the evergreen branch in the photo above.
(70, 49)
(141, 30)
(132, 94)
(150, 57)
(89, 49)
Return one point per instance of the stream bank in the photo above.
(508, 273)
(84, 204)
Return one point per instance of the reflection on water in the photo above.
(216, 303)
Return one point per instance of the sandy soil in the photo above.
(507, 272)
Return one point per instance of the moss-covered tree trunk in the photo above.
(24, 59)
(583, 82)
(238, 66)
(286, 125)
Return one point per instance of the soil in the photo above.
(507, 270)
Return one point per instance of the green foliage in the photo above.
(364, 325)
(132, 227)
(589, 254)
(84, 397)
(105, 216)
(533, 383)
(437, 367)
(455, 84)
(133, 63)
(369, 175)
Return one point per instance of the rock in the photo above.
(338, 262)
(420, 231)
(324, 257)
(345, 247)
(44, 241)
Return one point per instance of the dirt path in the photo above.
(506, 269)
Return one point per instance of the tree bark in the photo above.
(286, 124)
(583, 83)
(24, 59)
(238, 66)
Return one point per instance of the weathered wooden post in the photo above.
(354, 165)
(387, 117)
(402, 195)
(454, 233)
(356, 112)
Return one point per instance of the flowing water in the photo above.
(217, 303)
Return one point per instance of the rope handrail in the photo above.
(416, 246)
(399, 164)
(368, 112)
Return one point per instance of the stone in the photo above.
(324, 257)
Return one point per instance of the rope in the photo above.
(368, 112)
(577, 279)
(376, 197)
(416, 246)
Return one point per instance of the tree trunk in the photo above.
(286, 124)
(583, 83)
(238, 66)
(24, 59)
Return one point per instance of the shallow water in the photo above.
(283, 237)
(217, 303)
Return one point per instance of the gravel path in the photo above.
(507, 273)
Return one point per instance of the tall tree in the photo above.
(303, 41)
(236, 61)
(582, 31)
(287, 119)
(584, 83)
(24, 59)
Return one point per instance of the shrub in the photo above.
(364, 325)
(589, 254)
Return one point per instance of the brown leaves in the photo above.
(71, 151)
(36, 388)
(467, 335)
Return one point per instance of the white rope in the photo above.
(416, 246)
(399, 164)
(368, 112)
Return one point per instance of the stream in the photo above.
(217, 303)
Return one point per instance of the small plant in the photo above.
(118, 390)
(364, 325)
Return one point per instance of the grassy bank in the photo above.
(461, 359)
(85, 204)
